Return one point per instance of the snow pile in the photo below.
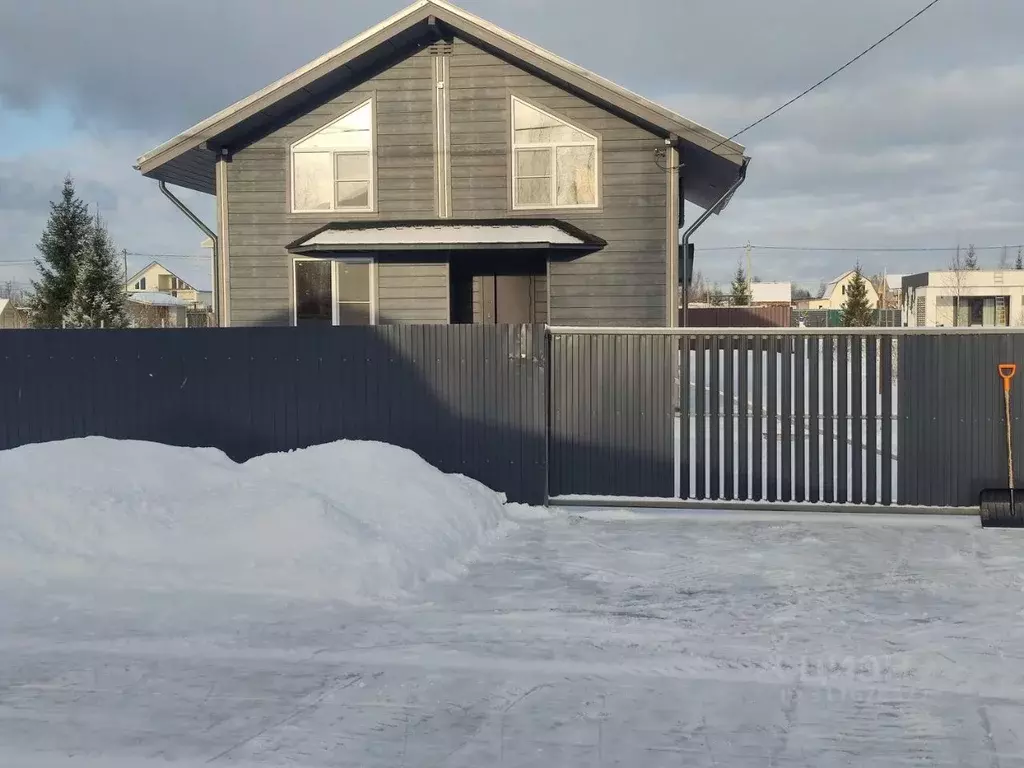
(351, 520)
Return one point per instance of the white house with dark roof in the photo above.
(191, 283)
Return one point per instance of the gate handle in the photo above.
(1007, 371)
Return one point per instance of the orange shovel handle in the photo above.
(1007, 371)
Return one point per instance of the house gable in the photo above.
(713, 162)
(624, 282)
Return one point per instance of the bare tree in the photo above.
(697, 291)
(956, 279)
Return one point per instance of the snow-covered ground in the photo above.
(607, 640)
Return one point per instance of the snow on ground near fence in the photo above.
(356, 521)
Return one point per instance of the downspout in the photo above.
(684, 247)
(213, 238)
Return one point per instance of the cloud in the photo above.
(915, 144)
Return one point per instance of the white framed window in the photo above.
(332, 168)
(554, 164)
(334, 291)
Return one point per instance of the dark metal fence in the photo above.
(768, 316)
(833, 318)
(847, 418)
(469, 399)
(840, 417)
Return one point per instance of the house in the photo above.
(12, 316)
(771, 293)
(892, 298)
(968, 298)
(834, 296)
(155, 309)
(155, 277)
(439, 169)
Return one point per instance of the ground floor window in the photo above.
(333, 292)
(984, 311)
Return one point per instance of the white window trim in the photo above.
(292, 152)
(552, 146)
(334, 285)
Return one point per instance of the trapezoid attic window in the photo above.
(554, 164)
(332, 168)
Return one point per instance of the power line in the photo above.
(824, 80)
(858, 249)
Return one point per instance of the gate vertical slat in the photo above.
(728, 397)
(886, 359)
(699, 410)
(842, 418)
(813, 411)
(757, 421)
(857, 414)
(786, 384)
(871, 393)
(715, 422)
(829, 426)
(743, 418)
(685, 458)
(800, 420)
(772, 417)
(905, 366)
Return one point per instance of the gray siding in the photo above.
(409, 294)
(259, 222)
(623, 284)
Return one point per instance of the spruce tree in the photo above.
(857, 311)
(98, 300)
(62, 245)
(740, 288)
(1020, 258)
(971, 259)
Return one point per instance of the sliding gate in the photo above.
(836, 417)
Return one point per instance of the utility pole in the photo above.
(124, 252)
(749, 278)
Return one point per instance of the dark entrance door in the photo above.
(487, 289)
(512, 299)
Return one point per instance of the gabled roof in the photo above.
(197, 278)
(712, 162)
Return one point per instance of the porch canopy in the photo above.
(447, 235)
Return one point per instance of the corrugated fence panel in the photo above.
(950, 404)
(478, 408)
(614, 435)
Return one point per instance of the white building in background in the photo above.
(967, 298)
(771, 293)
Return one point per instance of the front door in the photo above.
(512, 299)
(483, 291)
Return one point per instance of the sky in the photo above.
(915, 146)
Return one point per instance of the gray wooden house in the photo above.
(438, 169)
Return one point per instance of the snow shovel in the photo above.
(999, 508)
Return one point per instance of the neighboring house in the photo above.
(893, 296)
(771, 293)
(193, 287)
(967, 298)
(439, 169)
(12, 316)
(154, 309)
(834, 296)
